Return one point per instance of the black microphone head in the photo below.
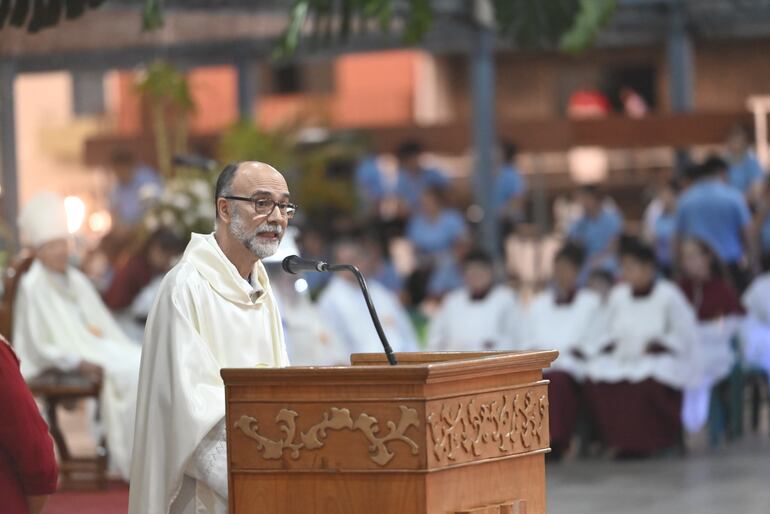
(286, 264)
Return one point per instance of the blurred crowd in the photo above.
(653, 327)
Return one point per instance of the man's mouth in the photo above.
(268, 235)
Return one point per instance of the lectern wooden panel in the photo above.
(441, 433)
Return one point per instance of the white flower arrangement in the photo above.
(186, 205)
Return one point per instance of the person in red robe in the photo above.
(156, 257)
(705, 283)
(28, 470)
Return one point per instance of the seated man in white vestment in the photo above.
(479, 316)
(60, 322)
(344, 307)
(215, 309)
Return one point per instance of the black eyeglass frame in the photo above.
(282, 206)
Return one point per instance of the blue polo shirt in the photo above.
(509, 184)
(436, 236)
(745, 173)
(596, 233)
(127, 201)
(410, 186)
(715, 213)
(369, 181)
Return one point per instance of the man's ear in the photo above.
(223, 210)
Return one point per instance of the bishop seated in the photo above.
(61, 323)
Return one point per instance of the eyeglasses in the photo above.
(265, 206)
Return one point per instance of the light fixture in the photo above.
(76, 213)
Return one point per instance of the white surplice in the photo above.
(310, 338)
(756, 326)
(344, 308)
(577, 325)
(463, 324)
(206, 317)
(713, 358)
(59, 321)
(632, 323)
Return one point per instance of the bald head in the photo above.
(237, 177)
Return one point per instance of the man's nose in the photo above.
(275, 215)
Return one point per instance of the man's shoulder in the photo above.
(181, 279)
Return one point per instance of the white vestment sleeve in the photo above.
(209, 461)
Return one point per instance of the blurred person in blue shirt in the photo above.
(661, 226)
(369, 181)
(716, 213)
(597, 231)
(437, 232)
(436, 227)
(510, 189)
(382, 268)
(137, 183)
(414, 178)
(744, 172)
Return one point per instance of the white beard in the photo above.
(256, 245)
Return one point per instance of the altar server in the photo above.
(60, 322)
(215, 309)
(716, 303)
(756, 326)
(344, 308)
(644, 361)
(569, 320)
(479, 316)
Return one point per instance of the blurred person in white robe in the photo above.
(215, 309)
(61, 323)
(645, 359)
(706, 285)
(755, 329)
(343, 306)
(310, 340)
(570, 320)
(481, 315)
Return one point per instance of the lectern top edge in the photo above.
(413, 367)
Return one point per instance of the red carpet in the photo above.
(112, 501)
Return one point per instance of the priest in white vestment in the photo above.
(215, 309)
(479, 316)
(60, 322)
(344, 307)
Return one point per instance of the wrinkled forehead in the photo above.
(259, 178)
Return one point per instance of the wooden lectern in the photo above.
(441, 433)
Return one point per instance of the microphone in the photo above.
(194, 161)
(294, 264)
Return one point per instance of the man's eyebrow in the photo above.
(263, 192)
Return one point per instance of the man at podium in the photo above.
(215, 309)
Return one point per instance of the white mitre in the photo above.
(43, 219)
